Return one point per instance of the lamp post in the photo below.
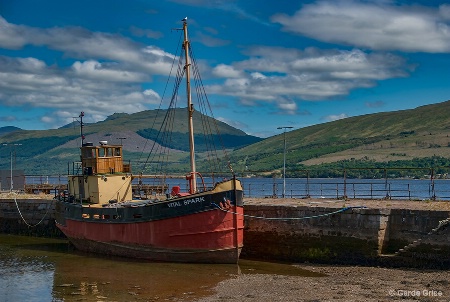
(121, 140)
(284, 158)
(11, 162)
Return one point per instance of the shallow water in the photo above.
(40, 269)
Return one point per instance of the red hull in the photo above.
(207, 237)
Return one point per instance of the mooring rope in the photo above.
(290, 218)
(20, 213)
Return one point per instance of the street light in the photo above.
(284, 158)
(121, 139)
(11, 175)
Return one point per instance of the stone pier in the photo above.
(367, 232)
(372, 235)
(30, 216)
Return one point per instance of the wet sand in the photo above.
(341, 283)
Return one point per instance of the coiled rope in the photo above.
(290, 218)
(21, 216)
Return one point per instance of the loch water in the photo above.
(42, 269)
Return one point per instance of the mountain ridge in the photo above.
(382, 137)
(42, 151)
(396, 135)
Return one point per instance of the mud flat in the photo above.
(341, 283)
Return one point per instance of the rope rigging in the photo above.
(164, 138)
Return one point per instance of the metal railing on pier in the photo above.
(360, 189)
(395, 183)
(431, 186)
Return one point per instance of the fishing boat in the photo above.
(98, 213)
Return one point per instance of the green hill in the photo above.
(383, 137)
(8, 129)
(408, 137)
(50, 151)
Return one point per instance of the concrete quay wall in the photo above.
(355, 236)
(31, 217)
(367, 236)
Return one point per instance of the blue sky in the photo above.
(264, 64)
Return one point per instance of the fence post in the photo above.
(307, 184)
(274, 189)
(345, 184)
(409, 193)
(433, 197)
(386, 184)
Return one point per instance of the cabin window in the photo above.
(89, 153)
(116, 151)
(105, 152)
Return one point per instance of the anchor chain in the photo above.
(442, 224)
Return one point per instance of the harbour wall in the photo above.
(31, 217)
(293, 233)
(354, 236)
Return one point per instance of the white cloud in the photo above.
(64, 93)
(233, 123)
(108, 81)
(277, 74)
(48, 119)
(444, 11)
(226, 71)
(151, 94)
(257, 75)
(334, 117)
(374, 25)
(105, 72)
(83, 44)
(11, 36)
(288, 106)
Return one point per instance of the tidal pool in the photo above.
(41, 269)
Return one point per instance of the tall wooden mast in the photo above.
(192, 177)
